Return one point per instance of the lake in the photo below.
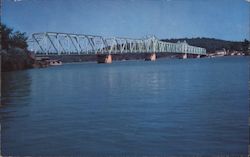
(134, 108)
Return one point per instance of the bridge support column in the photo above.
(184, 56)
(104, 58)
(150, 57)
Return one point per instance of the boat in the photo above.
(55, 62)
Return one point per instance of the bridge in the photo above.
(55, 43)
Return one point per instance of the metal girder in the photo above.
(52, 43)
(69, 43)
(60, 43)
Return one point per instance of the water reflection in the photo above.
(15, 91)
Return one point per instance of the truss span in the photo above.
(67, 43)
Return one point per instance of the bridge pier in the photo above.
(184, 56)
(104, 58)
(150, 57)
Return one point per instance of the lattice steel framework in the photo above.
(68, 43)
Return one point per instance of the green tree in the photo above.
(11, 39)
(19, 40)
(6, 33)
(245, 45)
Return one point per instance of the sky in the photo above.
(222, 19)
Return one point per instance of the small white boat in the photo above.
(55, 62)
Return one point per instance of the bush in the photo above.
(16, 59)
(15, 55)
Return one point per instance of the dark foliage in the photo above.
(16, 59)
(14, 50)
(11, 39)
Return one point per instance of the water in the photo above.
(167, 107)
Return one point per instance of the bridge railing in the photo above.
(67, 43)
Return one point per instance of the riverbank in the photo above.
(16, 59)
(19, 59)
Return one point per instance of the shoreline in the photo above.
(37, 65)
(19, 59)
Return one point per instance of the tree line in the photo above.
(14, 52)
(13, 39)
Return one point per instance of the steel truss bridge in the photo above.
(56, 43)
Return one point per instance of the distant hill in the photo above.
(212, 45)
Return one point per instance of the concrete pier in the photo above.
(104, 58)
(184, 56)
(150, 57)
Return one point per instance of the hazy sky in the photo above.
(223, 19)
